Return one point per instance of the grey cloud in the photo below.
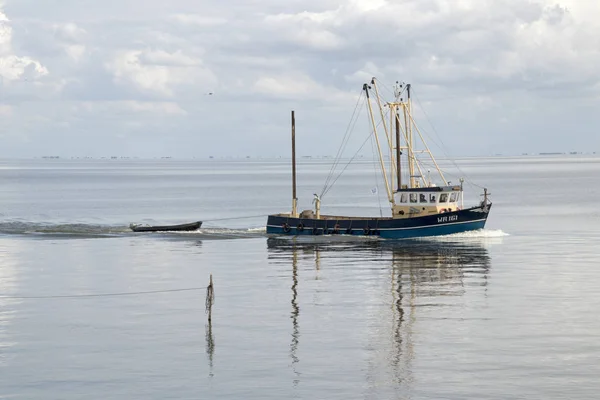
(262, 58)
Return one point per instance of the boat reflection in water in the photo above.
(376, 290)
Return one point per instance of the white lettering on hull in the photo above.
(447, 218)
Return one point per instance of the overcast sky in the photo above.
(131, 77)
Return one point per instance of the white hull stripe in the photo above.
(393, 229)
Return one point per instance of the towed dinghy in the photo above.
(192, 226)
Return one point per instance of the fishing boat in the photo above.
(419, 206)
(192, 226)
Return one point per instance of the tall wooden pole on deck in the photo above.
(294, 198)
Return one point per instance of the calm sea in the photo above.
(90, 310)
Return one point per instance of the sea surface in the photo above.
(91, 310)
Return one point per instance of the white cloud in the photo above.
(365, 74)
(158, 72)
(496, 56)
(306, 29)
(13, 67)
(198, 20)
(286, 86)
(75, 51)
(71, 38)
(164, 58)
(298, 86)
(368, 5)
(69, 32)
(156, 108)
(128, 69)
(163, 107)
(6, 110)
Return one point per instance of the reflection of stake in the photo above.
(210, 347)
(210, 298)
(295, 314)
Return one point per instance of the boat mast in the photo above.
(394, 112)
(409, 144)
(395, 119)
(387, 185)
(388, 135)
(294, 198)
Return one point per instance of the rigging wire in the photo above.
(442, 147)
(73, 296)
(376, 175)
(387, 88)
(345, 140)
(327, 189)
(346, 166)
(232, 218)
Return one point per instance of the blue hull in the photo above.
(387, 228)
(433, 230)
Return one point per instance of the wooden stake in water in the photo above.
(210, 340)
(210, 298)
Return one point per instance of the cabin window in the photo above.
(422, 198)
(453, 197)
(403, 198)
(413, 197)
(432, 198)
(443, 197)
